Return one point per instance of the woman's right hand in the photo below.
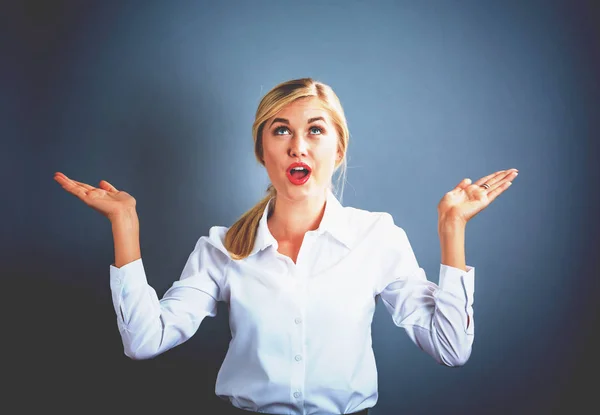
(105, 199)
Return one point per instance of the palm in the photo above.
(463, 204)
(466, 200)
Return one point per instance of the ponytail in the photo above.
(239, 239)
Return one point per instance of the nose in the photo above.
(298, 146)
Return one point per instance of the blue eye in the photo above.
(276, 131)
(279, 130)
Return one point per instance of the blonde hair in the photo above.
(240, 237)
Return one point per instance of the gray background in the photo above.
(158, 98)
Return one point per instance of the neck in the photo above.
(291, 219)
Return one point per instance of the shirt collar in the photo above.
(334, 221)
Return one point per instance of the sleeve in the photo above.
(437, 318)
(149, 326)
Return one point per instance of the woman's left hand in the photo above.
(466, 200)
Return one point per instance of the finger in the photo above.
(488, 177)
(495, 181)
(509, 177)
(498, 191)
(71, 186)
(66, 179)
(498, 177)
(84, 185)
(498, 182)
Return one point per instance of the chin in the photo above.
(303, 191)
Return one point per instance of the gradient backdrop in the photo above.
(158, 98)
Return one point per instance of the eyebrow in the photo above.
(285, 121)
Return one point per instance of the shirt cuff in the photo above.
(129, 276)
(457, 281)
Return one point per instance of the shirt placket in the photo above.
(300, 279)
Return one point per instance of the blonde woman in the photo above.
(301, 273)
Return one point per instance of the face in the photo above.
(301, 132)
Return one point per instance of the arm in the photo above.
(452, 244)
(459, 206)
(126, 237)
(149, 326)
(437, 318)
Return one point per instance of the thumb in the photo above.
(463, 183)
(107, 186)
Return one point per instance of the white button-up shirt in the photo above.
(301, 332)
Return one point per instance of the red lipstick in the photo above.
(298, 173)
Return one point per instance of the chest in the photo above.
(328, 288)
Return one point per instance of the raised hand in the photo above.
(466, 200)
(105, 199)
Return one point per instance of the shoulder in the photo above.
(386, 243)
(214, 242)
(373, 225)
(370, 221)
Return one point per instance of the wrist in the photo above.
(451, 225)
(125, 218)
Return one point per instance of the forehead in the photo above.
(303, 109)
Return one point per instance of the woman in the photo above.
(300, 272)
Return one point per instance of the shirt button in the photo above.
(298, 320)
(298, 357)
(297, 394)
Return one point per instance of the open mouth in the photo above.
(299, 174)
